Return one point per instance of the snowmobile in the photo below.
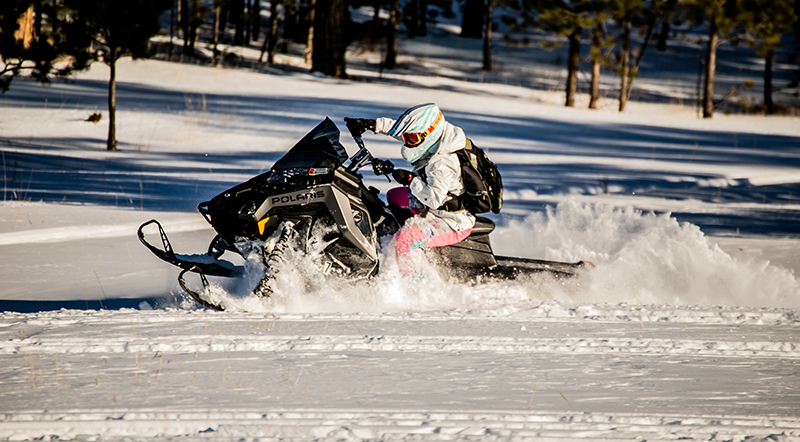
(315, 198)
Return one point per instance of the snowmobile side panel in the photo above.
(341, 206)
(475, 251)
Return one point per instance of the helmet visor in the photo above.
(413, 139)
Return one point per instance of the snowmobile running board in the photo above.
(512, 267)
(216, 268)
(538, 264)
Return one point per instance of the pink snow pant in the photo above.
(419, 233)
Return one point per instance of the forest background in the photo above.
(55, 38)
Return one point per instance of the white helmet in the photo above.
(421, 129)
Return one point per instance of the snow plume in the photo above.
(645, 258)
(641, 258)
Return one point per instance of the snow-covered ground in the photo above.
(686, 329)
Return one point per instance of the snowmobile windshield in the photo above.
(319, 149)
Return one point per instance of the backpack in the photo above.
(483, 187)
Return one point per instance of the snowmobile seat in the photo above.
(483, 226)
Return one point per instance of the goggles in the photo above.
(414, 139)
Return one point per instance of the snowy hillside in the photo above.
(686, 329)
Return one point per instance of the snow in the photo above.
(686, 329)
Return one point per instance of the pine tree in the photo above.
(32, 41)
(598, 51)
(271, 39)
(115, 29)
(721, 19)
(569, 21)
(629, 15)
(766, 21)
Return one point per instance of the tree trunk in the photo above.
(594, 95)
(472, 18)
(171, 27)
(271, 39)
(237, 17)
(256, 20)
(413, 18)
(224, 16)
(626, 56)
(309, 51)
(215, 51)
(329, 44)
(111, 143)
(634, 69)
(422, 27)
(666, 20)
(573, 61)
(37, 20)
(246, 17)
(183, 9)
(391, 38)
(194, 24)
(487, 37)
(768, 82)
(24, 32)
(711, 63)
(376, 13)
(663, 35)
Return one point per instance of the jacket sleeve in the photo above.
(382, 125)
(443, 178)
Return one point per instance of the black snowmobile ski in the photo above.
(216, 267)
(198, 295)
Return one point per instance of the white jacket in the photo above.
(443, 174)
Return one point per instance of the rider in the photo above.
(429, 143)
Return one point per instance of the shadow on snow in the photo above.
(648, 160)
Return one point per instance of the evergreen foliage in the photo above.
(42, 47)
(765, 22)
(113, 29)
(68, 35)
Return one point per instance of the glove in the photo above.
(382, 167)
(402, 176)
(358, 126)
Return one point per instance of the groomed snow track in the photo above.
(549, 372)
(328, 425)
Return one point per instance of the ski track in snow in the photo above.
(402, 425)
(460, 375)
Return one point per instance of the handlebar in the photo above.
(363, 156)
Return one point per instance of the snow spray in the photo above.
(645, 258)
(641, 258)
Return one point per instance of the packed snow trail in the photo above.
(588, 372)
